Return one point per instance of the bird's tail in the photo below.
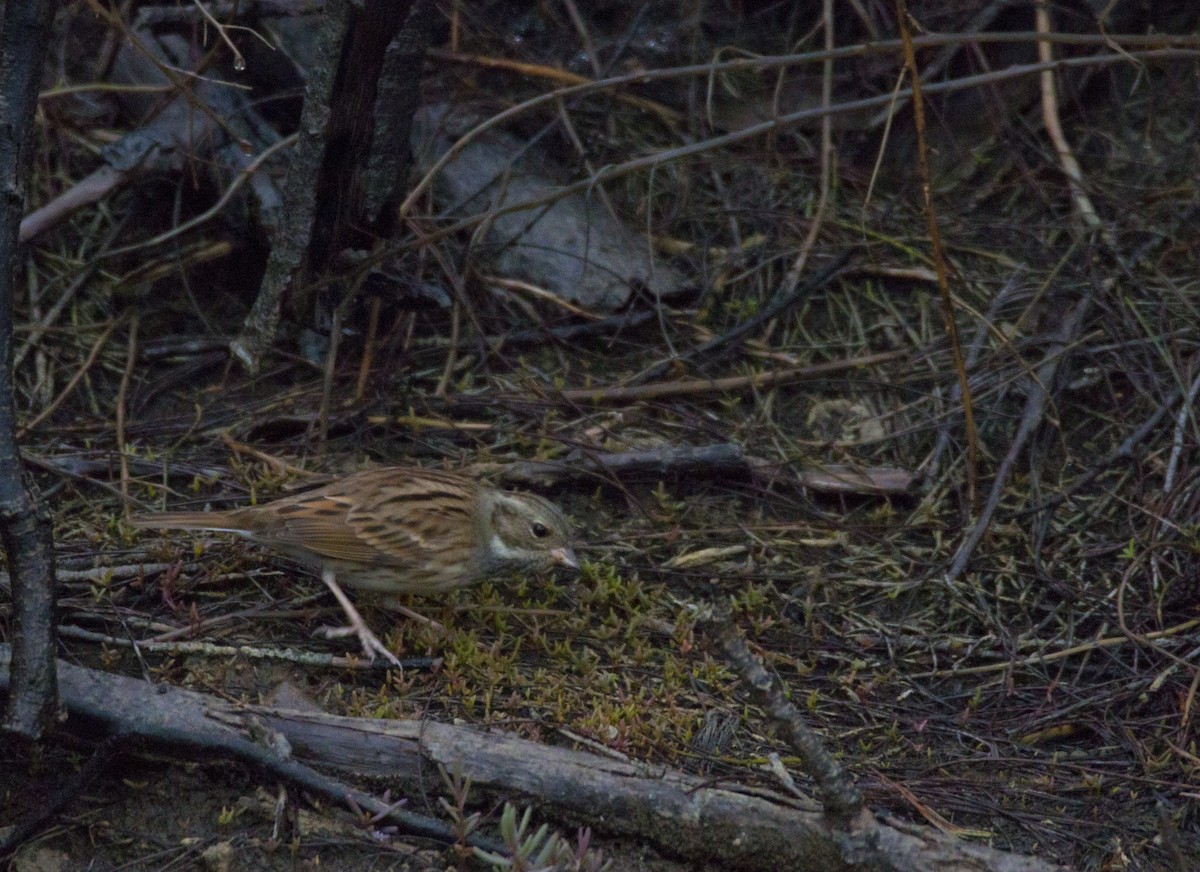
(226, 521)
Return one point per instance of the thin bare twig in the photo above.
(92, 357)
(1066, 157)
(826, 172)
(1031, 417)
(122, 397)
(689, 386)
(750, 132)
(1186, 411)
(784, 301)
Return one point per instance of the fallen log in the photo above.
(676, 813)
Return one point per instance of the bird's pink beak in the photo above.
(564, 556)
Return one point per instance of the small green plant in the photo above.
(1130, 551)
(541, 850)
(668, 505)
(462, 823)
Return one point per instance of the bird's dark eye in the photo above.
(540, 530)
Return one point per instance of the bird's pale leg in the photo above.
(369, 641)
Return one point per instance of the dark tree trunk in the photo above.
(24, 525)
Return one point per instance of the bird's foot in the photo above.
(370, 642)
(372, 646)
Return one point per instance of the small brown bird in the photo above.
(397, 530)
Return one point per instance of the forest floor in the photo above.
(1041, 698)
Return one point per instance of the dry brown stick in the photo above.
(93, 355)
(553, 74)
(542, 296)
(692, 386)
(973, 35)
(276, 463)
(939, 258)
(368, 355)
(122, 396)
(94, 187)
(452, 351)
(335, 335)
